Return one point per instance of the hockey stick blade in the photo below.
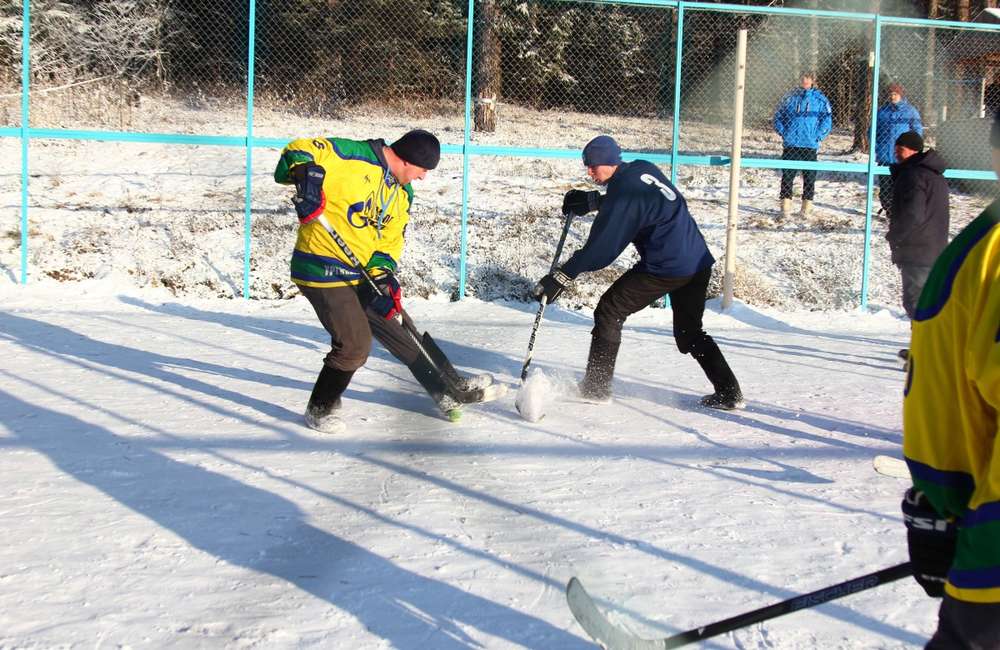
(611, 637)
(891, 466)
(599, 628)
(477, 395)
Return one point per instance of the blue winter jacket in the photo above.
(641, 207)
(892, 121)
(803, 118)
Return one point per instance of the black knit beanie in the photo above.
(418, 147)
(911, 140)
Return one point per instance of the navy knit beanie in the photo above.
(602, 150)
(911, 140)
(418, 147)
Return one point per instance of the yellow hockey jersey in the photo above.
(952, 401)
(365, 205)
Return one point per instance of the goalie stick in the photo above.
(612, 637)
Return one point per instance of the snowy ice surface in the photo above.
(160, 489)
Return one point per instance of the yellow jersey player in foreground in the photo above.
(951, 407)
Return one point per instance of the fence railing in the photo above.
(666, 63)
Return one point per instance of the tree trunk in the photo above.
(962, 10)
(863, 96)
(814, 41)
(842, 89)
(930, 115)
(487, 66)
(862, 92)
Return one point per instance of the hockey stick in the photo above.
(404, 319)
(541, 306)
(612, 637)
(425, 344)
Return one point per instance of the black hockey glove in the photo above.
(551, 286)
(579, 202)
(930, 539)
(309, 199)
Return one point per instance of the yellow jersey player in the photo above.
(951, 412)
(353, 200)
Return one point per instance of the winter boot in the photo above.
(727, 395)
(324, 402)
(596, 384)
(434, 383)
(786, 208)
(807, 208)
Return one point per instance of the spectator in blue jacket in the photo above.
(803, 119)
(642, 208)
(893, 120)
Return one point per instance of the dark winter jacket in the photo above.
(803, 118)
(641, 207)
(892, 121)
(918, 223)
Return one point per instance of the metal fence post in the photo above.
(247, 217)
(729, 275)
(25, 77)
(866, 254)
(676, 128)
(463, 240)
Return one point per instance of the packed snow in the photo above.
(161, 489)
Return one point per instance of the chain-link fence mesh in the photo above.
(584, 62)
(948, 77)
(780, 50)
(171, 219)
(345, 61)
(544, 75)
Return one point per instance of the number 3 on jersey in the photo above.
(649, 179)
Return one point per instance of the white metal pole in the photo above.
(729, 276)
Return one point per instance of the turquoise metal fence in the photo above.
(675, 158)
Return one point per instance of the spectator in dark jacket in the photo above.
(803, 120)
(894, 119)
(641, 208)
(918, 223)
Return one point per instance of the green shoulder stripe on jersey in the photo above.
(975, 567)
(409, 193)
(937, 290)
(949, 500)
(290, 158)
(354, 150)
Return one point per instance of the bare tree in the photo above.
(863, 108)
(487, 66)
(930, 116)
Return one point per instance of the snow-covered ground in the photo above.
(173, 216)
(161, 491)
